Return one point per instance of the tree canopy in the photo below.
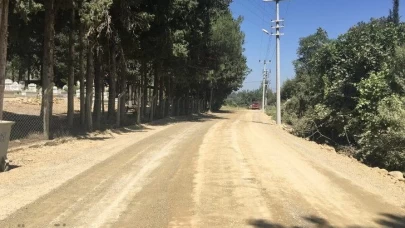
(163, 50)
(350, 90)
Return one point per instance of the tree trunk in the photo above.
(81, 76)
(3, 50)
(102, 93)
(21, 74)
(155, 90)
(138, 101)
(71, 79)
(13, 73)
(97, 92)
(211, 97)
(48, 62)
(29, 72)
(89, 87)
(123, 83)
(168, 95)
(161, 103)
(112, 92)
(145, 88)
(152, 108)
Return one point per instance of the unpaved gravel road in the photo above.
(233, 169)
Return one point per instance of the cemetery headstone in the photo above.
(15, 87)
(8, 83)
(32, 87)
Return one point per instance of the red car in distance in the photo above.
(255, 106)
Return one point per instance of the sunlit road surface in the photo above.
(231, 169)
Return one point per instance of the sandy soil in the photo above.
(32, 105)
(233, 169)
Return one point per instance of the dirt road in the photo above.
(233, 169)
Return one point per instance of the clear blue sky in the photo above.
(302, 18)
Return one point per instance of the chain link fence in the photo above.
(25, 111)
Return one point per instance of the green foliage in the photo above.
(245, 98)
(383, 141)
(27, 7)
(394, 13)
(190, 45)
(228, 64)
(350, 91)
(95, 15)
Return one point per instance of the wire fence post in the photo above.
(119, 108)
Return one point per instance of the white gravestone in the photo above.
(15, 86)
(55, 90)
(8, 83)
(32, 87)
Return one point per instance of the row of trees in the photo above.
(163, 49)
(245, 98)
(351, 90)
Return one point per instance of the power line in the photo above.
(268, 46)
(248, 8)
(252, 82)
(251, 22)
(288, 7)
(261, 40)
(268, 43)
(263, 9)
(278, 34)
(286, 14)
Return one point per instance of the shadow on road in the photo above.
(390, 220)
(28, 129)
(190, 118)
(145, 127)
(224, 111)
(10, 167)
(386, 220)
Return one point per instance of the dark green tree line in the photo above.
(157, 52)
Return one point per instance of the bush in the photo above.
(383, 142)
(272, 111)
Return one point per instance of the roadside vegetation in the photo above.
(245, 98)
(350, 91)
(188, 50)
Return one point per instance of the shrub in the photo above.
(383, 143)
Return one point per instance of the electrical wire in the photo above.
(252, 82)
(264, 11)
(251, 22)
(248, 8)
(268, 42)
(261, 40)
(286, 14)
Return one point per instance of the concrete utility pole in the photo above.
(264, 86)
(267, 85)
(277, 34)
